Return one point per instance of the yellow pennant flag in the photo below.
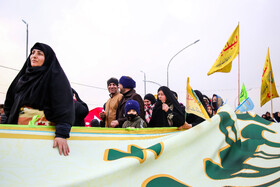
(227, 55)
(193, 104)
(268, 88)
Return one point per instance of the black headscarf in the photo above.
(207, 98)
(150, 97)
(81, 110)
(159, 116)
(45, 88)
(200, 97)
(275, 115)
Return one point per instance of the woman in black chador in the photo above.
(167, 111)
(81, 110)
(42, 84)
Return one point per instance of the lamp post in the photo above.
(154, 83)
(144, 82)
(26, 37)
(174, 57)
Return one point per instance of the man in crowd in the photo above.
(127, 85)
(111, 105)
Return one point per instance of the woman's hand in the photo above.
(62, 145)
(185, 126)
(165, 107)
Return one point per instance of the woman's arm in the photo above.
(62, 132)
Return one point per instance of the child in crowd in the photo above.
(132, 111)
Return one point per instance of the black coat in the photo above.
(81, 110)
(131, 94)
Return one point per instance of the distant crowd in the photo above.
(275, 118)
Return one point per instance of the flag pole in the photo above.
(239, 79)
(238, 69)
(187, 94)
(271, 94)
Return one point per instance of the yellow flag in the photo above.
(193, 104)
(227, 55)
(268, 88)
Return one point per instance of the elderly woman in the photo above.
(42, 84)
(167, 111)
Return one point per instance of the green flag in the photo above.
(243, 94)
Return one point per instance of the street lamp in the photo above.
(154, 83)
(144, 82)
(176, 55)
(26, 37)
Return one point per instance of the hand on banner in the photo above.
(185, 126)
(62, 145)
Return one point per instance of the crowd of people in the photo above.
(42, 89)
(276, 117)
(125, 108)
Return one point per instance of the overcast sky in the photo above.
(96, 40)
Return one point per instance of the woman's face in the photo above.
(214, 99)
(37, 58)
(205, 101)
(161, 96)
(147, 102)
(209, 109)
